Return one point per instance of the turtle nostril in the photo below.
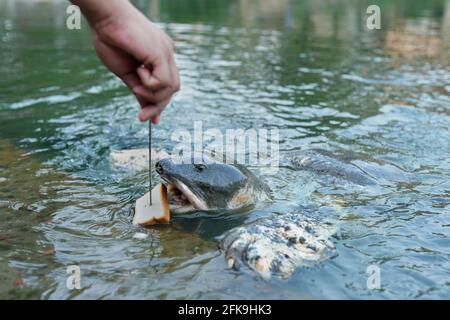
(159, 168)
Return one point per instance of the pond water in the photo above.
(309, 68)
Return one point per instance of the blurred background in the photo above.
(312, 69)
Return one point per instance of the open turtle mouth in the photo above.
(181, 198)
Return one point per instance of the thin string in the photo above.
(150, 158)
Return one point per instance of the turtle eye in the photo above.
(200, 167)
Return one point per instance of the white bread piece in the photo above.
(158, 212)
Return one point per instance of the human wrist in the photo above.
(103, 12)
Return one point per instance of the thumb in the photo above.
(149, 81)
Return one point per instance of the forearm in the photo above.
(130, 45)
(97, 11)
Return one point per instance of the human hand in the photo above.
(139, 53)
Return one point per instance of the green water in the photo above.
(309, 68)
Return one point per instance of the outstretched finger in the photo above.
(154, 110)
(155, 119)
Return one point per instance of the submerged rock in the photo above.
(278, 245)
